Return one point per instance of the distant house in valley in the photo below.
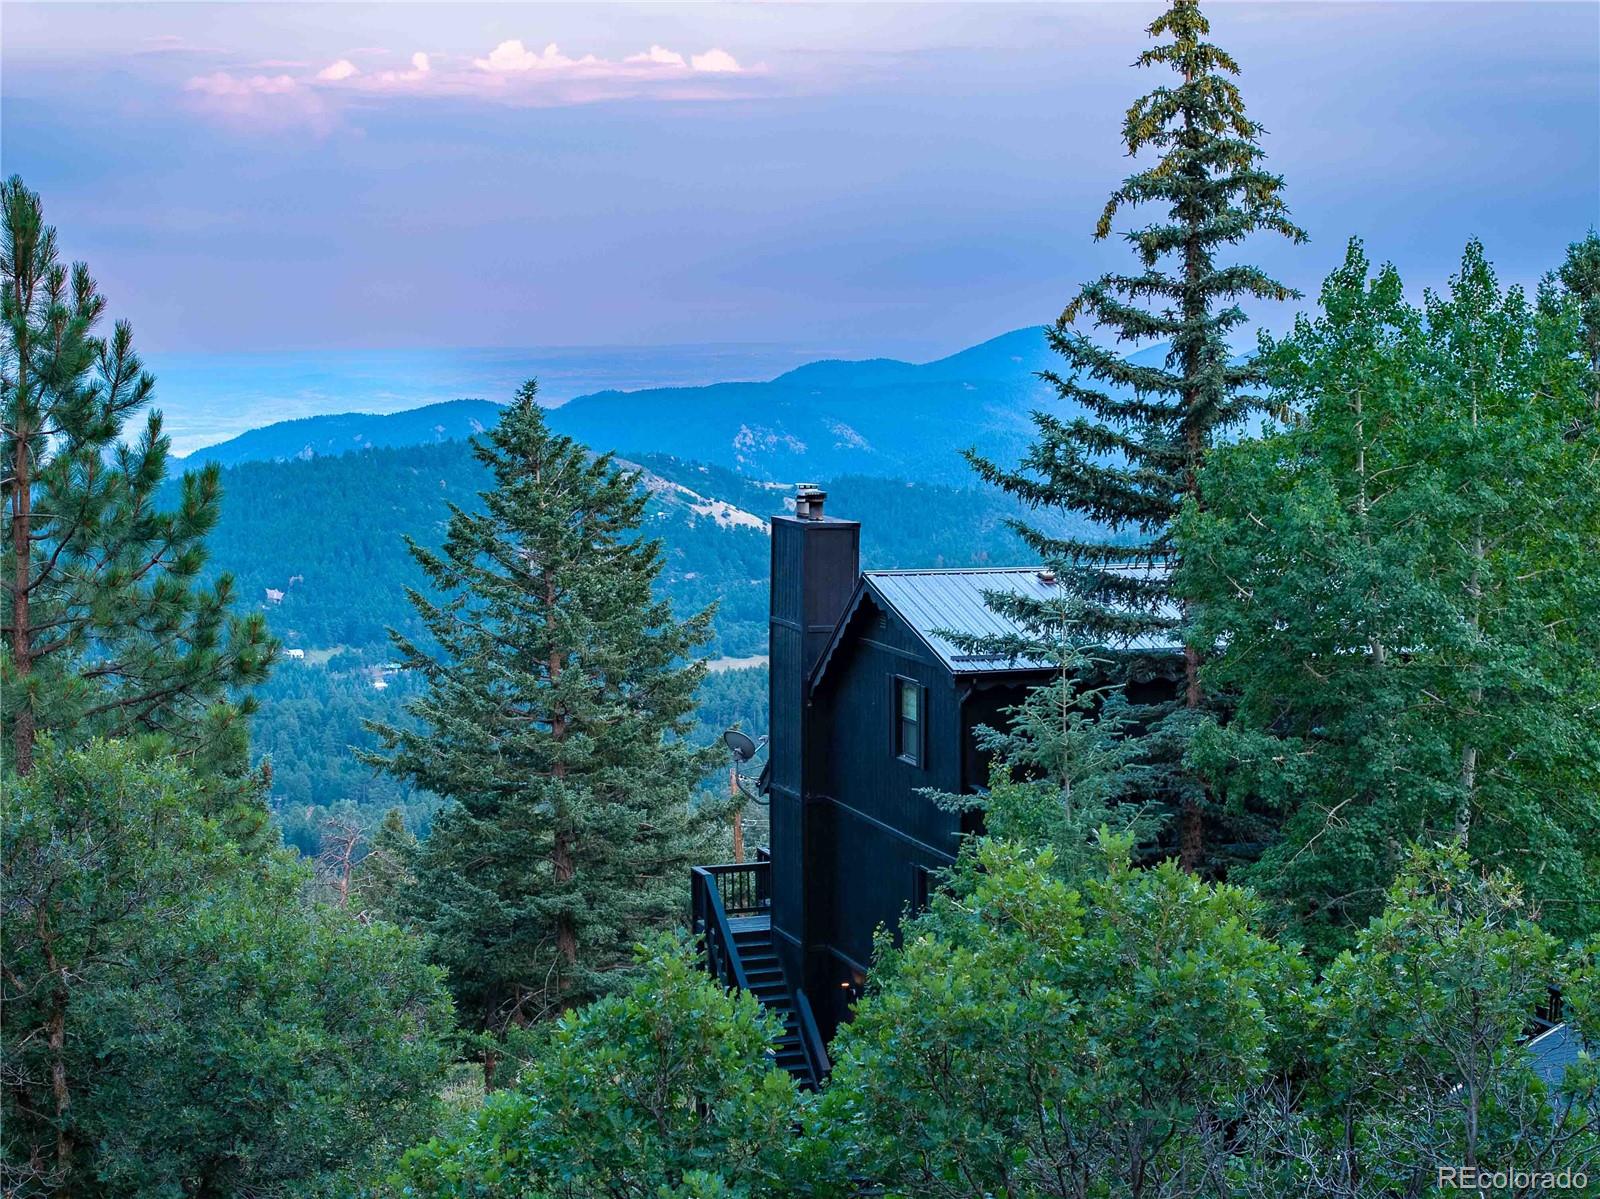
(274, 596)
(871, 707)
(297, 654)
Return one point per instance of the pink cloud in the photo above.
(659, 56)
(421, 69)
(716, 62)
(172, 43)
(336, 71)
(510, 73)
(266, 101)
(514, 56)
(223, 85)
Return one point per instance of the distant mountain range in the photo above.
(315, 512)
(330, 436)
(877, 417)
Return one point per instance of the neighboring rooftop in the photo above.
(1552, 1052)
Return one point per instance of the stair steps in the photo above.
(764, 972)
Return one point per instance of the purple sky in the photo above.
(902, 179)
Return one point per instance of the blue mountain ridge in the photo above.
(347, 432)
(878, 417)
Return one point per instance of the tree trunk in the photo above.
(1469, 750)
(561, 865)
(21, 618)
(1192, 830)
(59, 1090)
(563, 869)
(1594, 370)
(1374, 642)
(56, 1042)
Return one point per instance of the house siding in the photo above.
(872, 826)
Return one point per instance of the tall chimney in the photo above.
(816, 562)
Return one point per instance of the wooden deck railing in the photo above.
(811, 1038)
(745, 888)
(721, 894)
(712, 927)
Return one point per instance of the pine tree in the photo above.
(555, 717)
(106, 632)
(1133, 459)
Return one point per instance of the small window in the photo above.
(908, 721)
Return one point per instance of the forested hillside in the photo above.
(312, 715)
(327, 533)
(317, 546)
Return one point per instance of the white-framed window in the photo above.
(909, 718)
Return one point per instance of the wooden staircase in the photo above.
(733, 919)
(752, 939)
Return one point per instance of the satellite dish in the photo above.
(743, 747)
(748, 775)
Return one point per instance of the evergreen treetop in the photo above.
(1132, 456)
(106, 631)
(1131, 460)
(555, 718)
(1578, 277)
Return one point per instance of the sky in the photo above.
(886, 178)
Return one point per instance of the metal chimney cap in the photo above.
(808, 501)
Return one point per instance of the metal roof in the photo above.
(1552, 1052)
(935, 601)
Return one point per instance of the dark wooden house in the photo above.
(870, 709)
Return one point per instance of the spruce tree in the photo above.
(555, 715)
(1132, 458)
(106, 630)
